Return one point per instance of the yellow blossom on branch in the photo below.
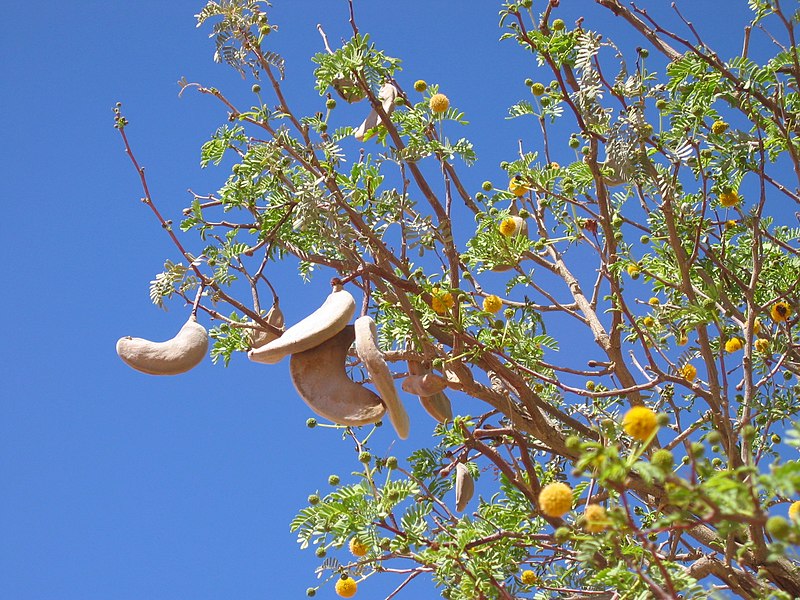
(640, 423)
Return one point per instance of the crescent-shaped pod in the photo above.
(178, 355)
(369, 353)
(320, 378)
(322, 324)
(465, 487)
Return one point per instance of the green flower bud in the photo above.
(364, 457)
(333, 480)
(487, 186)
(558, 25)
(330, 104)
(256, 88)
(311, 423)
(391, 462)
(320, 552)
(663, 459)
(778, 527)
(313, 499)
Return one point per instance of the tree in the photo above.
(660, 469)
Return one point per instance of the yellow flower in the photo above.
(640, 423)
(733, 345)
(508, 227)
(346, 587)
(517, 187)
(633, 271)
(761, 345)
(594, 518)
(682, 339)
(441, 301)
(719, 127)
(555, 499)
(729, 199)
(420, 85)
(528, 577)
(756, 326)
(794, 510)
(780, 311)
(492, 303)
(357, 548)
(688, 372)
(649, 321)
(730, 224)
(439, 103)
(654, 301)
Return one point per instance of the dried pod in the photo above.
(457, 374)
(320, 378)
(369, 353)
(386, 95)
(438, 406)
(325, 322)
(178, 355)
(260, 337)
(465, 487)
(348, 90)
(424, 385)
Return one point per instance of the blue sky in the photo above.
(123, 486)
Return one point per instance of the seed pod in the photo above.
(348, 90)
(386, 96)
(437, 405)
(261, 337)
(321, 325)
(465, 487)
(178, 355)
(369, 353)
(428, 384)
(320, 378)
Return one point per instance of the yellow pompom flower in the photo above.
(594, 518)
(439, 103)
(633, 271)
(346, 587)
(756, 326)
(357, 548)
(733, 345)
(761, 345)
(555, 499)
(420, 85)
(682, 339)
(528, 577)
(517, 186)
(688, 372)
(441, 301)
(649, 322)
(780, 311)
(719, 127)
(508, 227)
(492, 304)
(794, 510)
(728, 199)
(654, 301)
(730, 224)
(640, 423)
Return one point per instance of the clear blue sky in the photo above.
(117, 485)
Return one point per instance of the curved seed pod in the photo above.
(424, 385)
(348, 90)
(465, 487)
(178, 355)
(320, 378)
(386, 95)
(260, 337)
(325, 322)
(438, 406)
(371, 356)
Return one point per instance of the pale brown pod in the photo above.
(465, 487)
(348, 90)
(180, 354)
(319, 376)
(325, 322)
(261, 337)
(438, 406)
(369, 353)
(386, 96)
(424, 385)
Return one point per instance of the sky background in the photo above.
(118, 485)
